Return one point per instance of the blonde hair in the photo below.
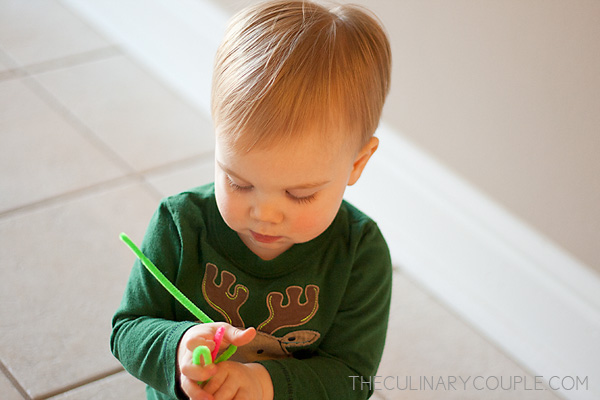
(288, 67)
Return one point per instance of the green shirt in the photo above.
(320, 308)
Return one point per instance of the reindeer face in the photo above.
(227, 298)
(268, 347)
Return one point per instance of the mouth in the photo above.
(264, 238)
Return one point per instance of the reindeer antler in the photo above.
(219, 296)
(292, 314)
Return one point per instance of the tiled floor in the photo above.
(89, 142)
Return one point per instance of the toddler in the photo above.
(299, 278)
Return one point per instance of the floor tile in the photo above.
(426, 341)
(121, 386)
(141, 120)
(34, 31)
(173, 181)
(63, 274)
(376, 396)
(4, 65)
(8, 68)
(8, 390)
(41, 154)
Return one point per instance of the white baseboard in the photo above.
(541, 306)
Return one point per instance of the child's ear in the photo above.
(361, 160)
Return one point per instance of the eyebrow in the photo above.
(308, 185)
(230, 172)
(311, 185)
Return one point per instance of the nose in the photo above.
(266, 210)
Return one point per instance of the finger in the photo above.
(193, 390)
(201, 335)
(237, 336)
(196, 341)
(187, 357)
(198, 373)
(216, 381)
(227, 392)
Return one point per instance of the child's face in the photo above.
(286, 194)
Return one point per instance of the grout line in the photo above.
(79, 384)
(11, 73)
(76, 123)
(169, 167)
(182, 163)
(130, 173)
(72, 60)
(6, 59)
(15, 70)
(172, 166)
(152, 189)
(123, 180)
(27, 74)
(14, 381)
(50, 100)
(73, 195)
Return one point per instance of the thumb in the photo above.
(239, 337)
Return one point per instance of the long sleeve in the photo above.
(145, 333)
(353, 345)
(343, 278)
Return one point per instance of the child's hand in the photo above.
(202, 335)
(237, 381)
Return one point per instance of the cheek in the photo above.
(313, 221)
(307, 222)
(229, 208)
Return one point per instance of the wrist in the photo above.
(264, 379)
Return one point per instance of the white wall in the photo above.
(507, 95)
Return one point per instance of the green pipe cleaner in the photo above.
(180, 297)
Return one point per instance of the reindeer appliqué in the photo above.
(265, 345)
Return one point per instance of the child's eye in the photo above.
(235, 186)
(302, 199)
